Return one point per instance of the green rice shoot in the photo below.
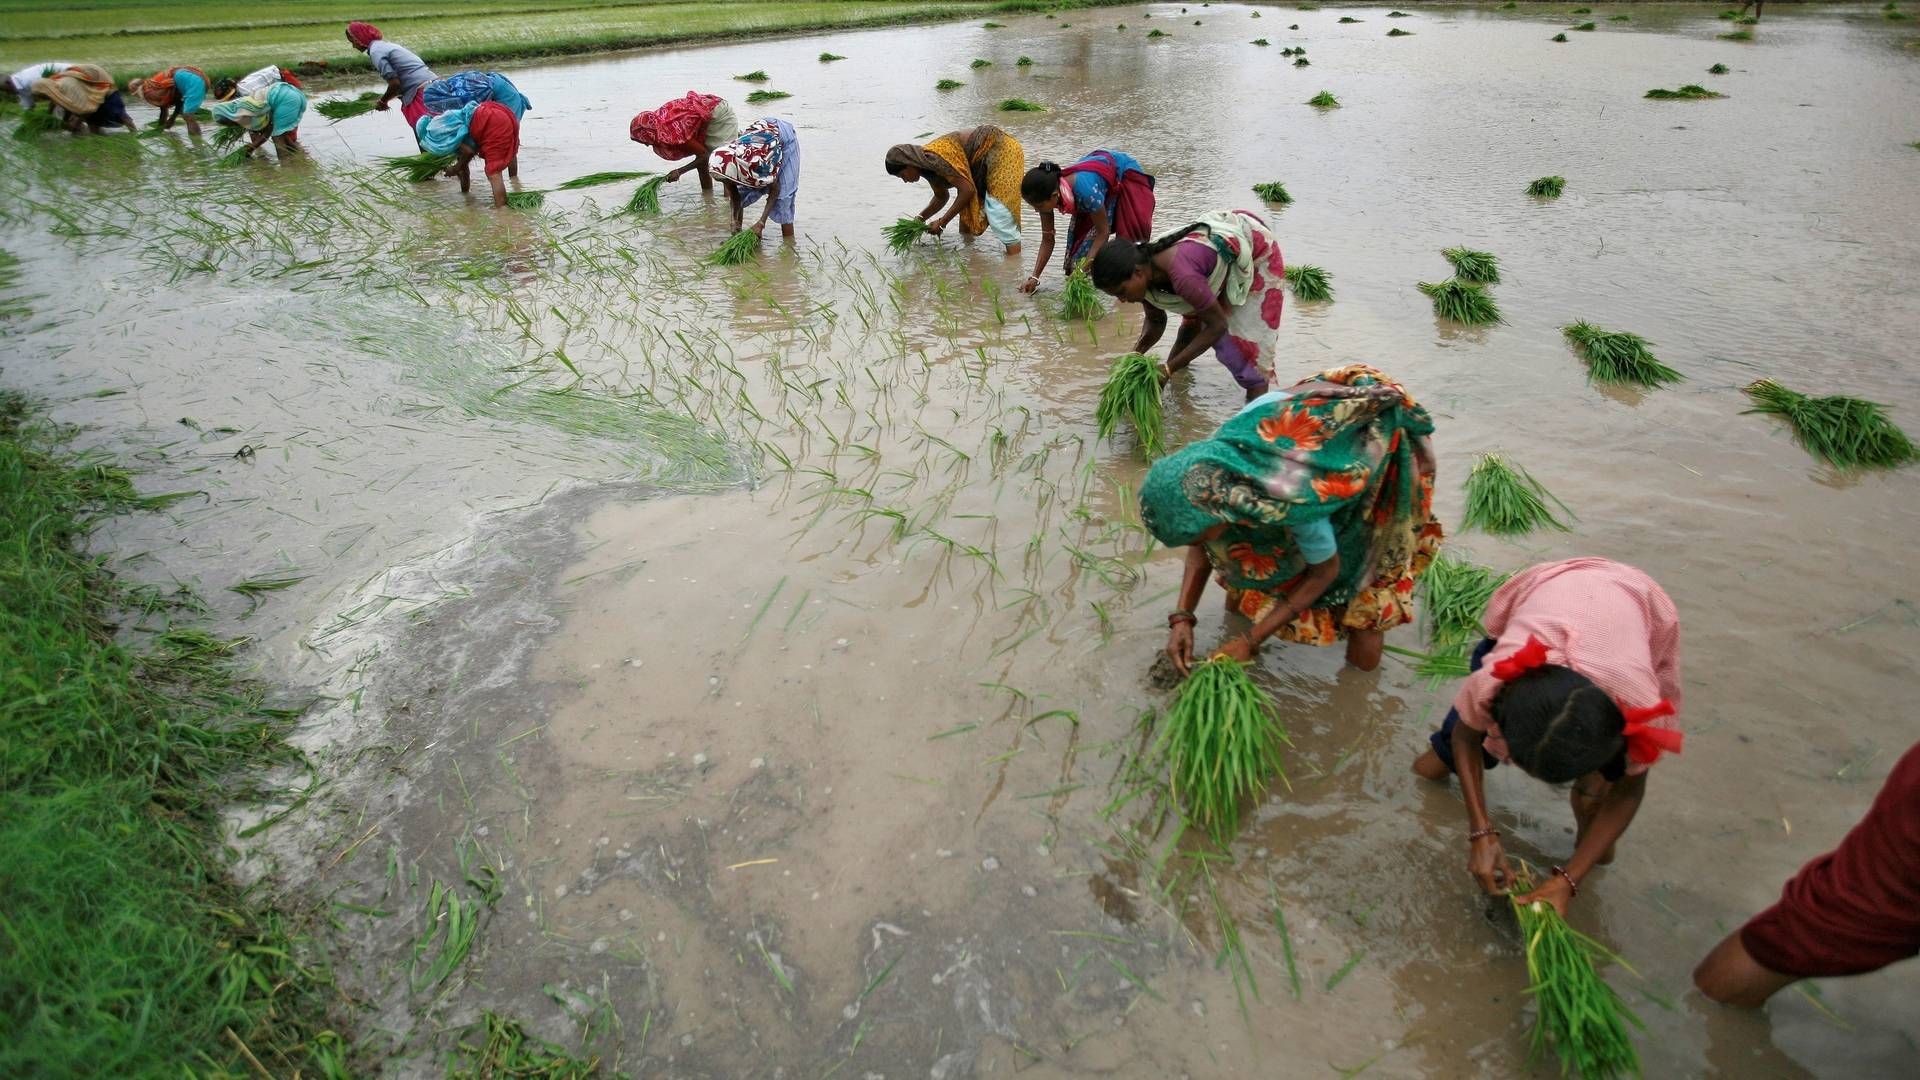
(1462, 301)
(1718, 69)
(598, 178)
(337, 111)
(1397, 32)
(1310, 282)
(418, 168)
(1014, 104)
(1302, 62)
(1738, 35)
(1025, 61)
(902, 233)
(759, 96)
(948, 84)
(235, 157)
(828, 58)
(1156, 32)
(1561, 38)
(1505, 499)
(1262, 42)
(1274, 192)
(1845, 432)
(1689, 92)
(1586, 26)
(35, 124)
(1079, 300)
(646, 197)
(526, 200)
(1617, 358)
(1480, 267)
(1454, 595)
(1220, 742)
(1576, 1013)
(226, 135)
(736, 249)
(979, 63)
(1132, 393)
(1324, 100)
(1547, 187)
(753, 76)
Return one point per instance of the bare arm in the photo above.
(1313, 585)
(1610, 820)
(698, 163)
(393, 91)
(1195, 340)
(963, 195)
(1487, 860)
(1046, 251)
(1152, 325)
(1193, 583)
(766, 205)
(940, 193)
(1101, 229)
(462, 167)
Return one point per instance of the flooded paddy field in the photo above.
(728, 671)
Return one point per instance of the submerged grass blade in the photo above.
(1505, 499)
(1616, 357)
(1480, 267)
(902, 233)
(1310, 282)
(737, 249)
(1845, 432)
(1462, 301)
(1220, 741)
(1079, 299)
(1132, 393)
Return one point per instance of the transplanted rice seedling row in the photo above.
(1505, 499)
(1132, 393)
(1845, 432)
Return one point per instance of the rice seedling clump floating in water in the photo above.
(35, 124)
(759, 96)
(1324, 100)
(1132, 393)
(1618, 357)
(1481, 267)
(1156, 32)
(418, 167)
(1301, 62)
(598, 178)
(753, 76)
(337, 111)
(948, 84)
(1309, 282)
(1547, 187)
(1397, 32)
(1348, 19)
(1561, 38)
(1462, 301)
(736, 249)
(1079, 299)
(1262, 42)
(1689, 92)
(1620, 18)
(902, 233)
(828, 58)
(1505, 499)
(991, 25)
(1014, 104)
(1397, 15)
(646, 198)
(1025, 61)
(1220, 742)
(1455, 595)
(1845, 432)
(1718, 69)
(1273, 191)
(1738, 35)
(526, 200)
(1586, 26)
(979, 63)
(1576, 1014)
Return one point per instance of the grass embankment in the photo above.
(125, 950)
(130, 38)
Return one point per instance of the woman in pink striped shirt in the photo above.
(1581, 661)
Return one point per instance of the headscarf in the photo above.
(912, 156)
(185, 87)
(276, 110)
(362, 34)
(675, 125)
(442, 134)
(1338, 445)
(79, 90)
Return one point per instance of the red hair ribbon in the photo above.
(1531, 655)
(1645, 743)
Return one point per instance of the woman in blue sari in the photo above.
(469, 87)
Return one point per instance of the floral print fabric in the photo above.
(1248, 279)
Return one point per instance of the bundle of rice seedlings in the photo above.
(526, 200)
(1689, 92)
(646, 198)
(1274, 192)
(737, 249)
(1025, 61)
(1014, 104)
(1455, 594)
(1220, 741)
(1845, 432)
(759, 96)
(753, 76)
(595, 179)
(1262, 42)
(1616, 357)
(418, 167)
(1547, 187)
(1397, 15)
(828, 58)
(1397, 32)
(1156, 32)
(1302, 62)
(948, 84)
(35, 124)
(1746, 20)
(1481, 267)
(990, 25)
(1619, 18)
(1738, 35)
(902, 233)
(1728, 15)
(1309, 282)
(226, 135)
(1561, 38)
(1324, 100)
(337, 111)
(1505, 499)
(1132, 393)
(1079, 299)
(1581, 11)
(1462, 301)
(1348, 19)
(979, 63)
(1586, 26)
(1718, 69)
(234, 157)
(1575, 1012)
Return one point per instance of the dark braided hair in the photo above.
(1041, 183)
(1119, 258)
(1558, 725)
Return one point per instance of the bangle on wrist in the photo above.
(1182, 616)
(1573, 886)
(1478, 833)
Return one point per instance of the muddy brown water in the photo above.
(797, 771)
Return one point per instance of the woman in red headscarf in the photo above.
(405, 72)
(692, 126)
(1576, 683)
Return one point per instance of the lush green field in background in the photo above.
(223, 37)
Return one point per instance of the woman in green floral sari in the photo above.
(1314, 509)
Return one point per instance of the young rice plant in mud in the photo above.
(596, 179)
(1462, 301)
(496, 1047)
(1132, 393)
(1274, 192)
(828, 58)
(1310, 282)
(1617, 357)
(1025, 61)
(1219, 743)
(948, 84)
(1718, 69)
(1324, 100)
(1845, 432)
(1577, 1015)
(759, 96)
(1397, 32)
(1689, 92)
(418, 168)
(1738, 35)
(526, 200)
(978, 63)
(1014, 104)
(1547, 187)
(902, 233)
(1505, 499)
(736, 249)
(753, 76)
(1561, 38)
(646, 198)
(1079, 300)
(1480, 267)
